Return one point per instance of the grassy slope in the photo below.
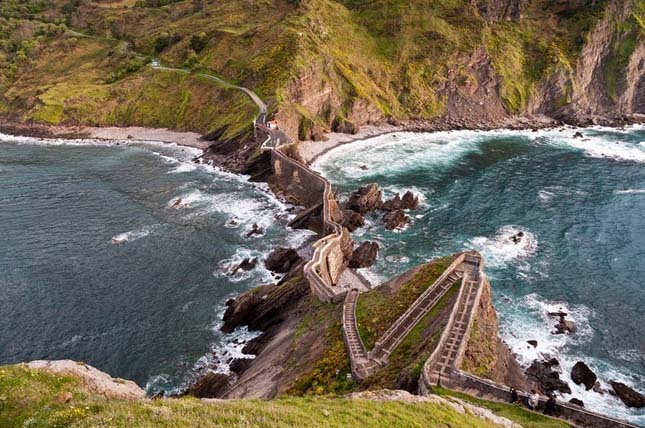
(514, 412)
(394, 55)
(32, 398)
(377, 309)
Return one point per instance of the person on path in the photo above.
(534, 399)
(514, 396)
(549, 406)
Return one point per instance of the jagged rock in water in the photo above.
(533, 343)
(582, 374)
(408, 202)
(352, 220)
(364, 255)
(628, 395)
(281, 260)
(547, 379)
(264, 306)
(246, 264)
(577, 402)
(210, 386)
(395, 220)
(255, 230)
(565, 326)
(365, 199)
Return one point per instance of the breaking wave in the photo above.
(511, 244)
(133, 235)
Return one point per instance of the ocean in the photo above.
(121, 255)
(580, 203)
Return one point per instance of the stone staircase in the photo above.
(364, 363)
(406, 322)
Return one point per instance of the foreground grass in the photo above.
(513, 412)
(37, 399)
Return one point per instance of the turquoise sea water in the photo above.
(581, 205)
(99, 262)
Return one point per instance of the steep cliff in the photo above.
(321, 64)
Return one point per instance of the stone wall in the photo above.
(490, 390)
(296, 180)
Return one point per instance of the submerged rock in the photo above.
(281, 260)
(255, 230)
(628, 395)
(582, 374)
(365, 199)
(395, 220)
(364, 255)
(246, 264)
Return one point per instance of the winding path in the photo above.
(317, 270)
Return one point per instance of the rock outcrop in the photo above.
(395, 220)
(364, 255)
(352, 220)
(408, 202)
(582, 374)
(546, 375)
(628, 395)
(212, 385)
(365, 199)
(281, 260)
(265, 306)
(95, 380)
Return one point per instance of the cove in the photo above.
(120, 256)
(578, 201)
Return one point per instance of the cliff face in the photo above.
(608, 79)
(322, 64)
(487, 355)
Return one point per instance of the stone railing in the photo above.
(397, 332)
(328, 261)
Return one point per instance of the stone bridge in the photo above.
(329, 260)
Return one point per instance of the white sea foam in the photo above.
(226, 267)
(133, 235)
(387, 155)
(527, 319)
(630, 192)
(183, 167)
(500, 250)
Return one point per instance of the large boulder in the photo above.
(395, 220)
(547, 377)
(365, 199)
(629, 396)
(364, 255)
(582, 374)
(352, 220)
(95, 380)
(408, 202)
(281, 260)
(211, 385)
